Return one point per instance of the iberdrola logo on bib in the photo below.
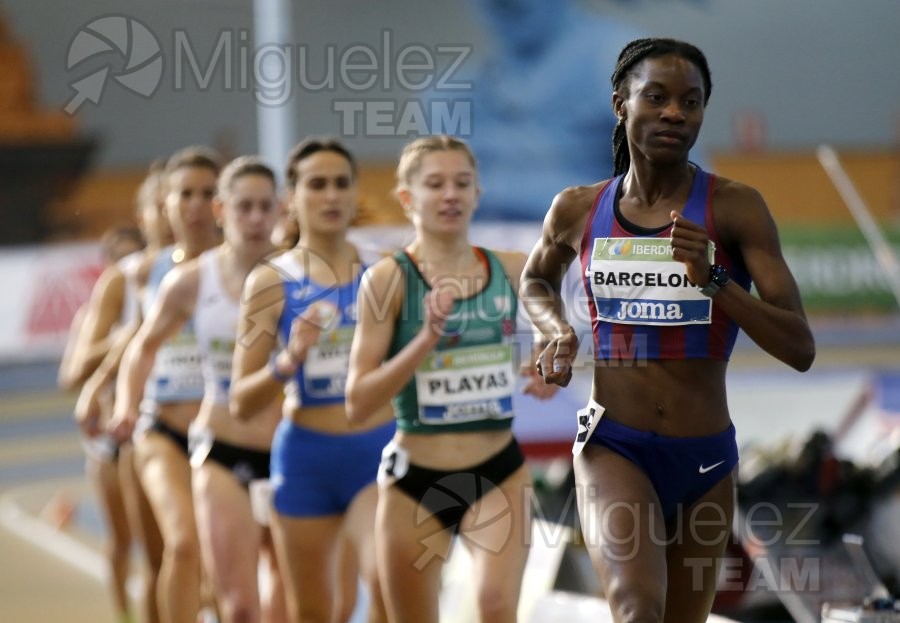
(443, 361)
(623, 247)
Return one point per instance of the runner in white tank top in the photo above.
(226, 454)
(229, 455)
(161, 450)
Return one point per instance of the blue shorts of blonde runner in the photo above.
(315, 474)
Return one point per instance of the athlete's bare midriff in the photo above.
(333, 419)
(179, 415)
(255, 433)
(449, 451)
(677, 398)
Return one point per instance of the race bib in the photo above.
(200, 443)
(326, 365)
(219, 356)
(146, 419)
(177, 371)
(261, 495)
(394, 463)
(466, 384)
(588, 418)
(636, 281)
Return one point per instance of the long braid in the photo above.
(621, 153)
(629, 57)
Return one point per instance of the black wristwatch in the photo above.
(718, 278)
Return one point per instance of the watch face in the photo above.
(718, 275)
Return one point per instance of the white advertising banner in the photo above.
(41, 288)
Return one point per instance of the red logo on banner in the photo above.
(56, 297)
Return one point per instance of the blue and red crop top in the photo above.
(641, 302)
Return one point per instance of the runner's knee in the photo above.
(239, 609)
(496, 601)
(636, 601)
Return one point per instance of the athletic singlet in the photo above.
(322, 377)
(467, 382)
(215, 322)
(641, 302)
(176, 374)
(129, 265)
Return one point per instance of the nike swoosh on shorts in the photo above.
(703, 470)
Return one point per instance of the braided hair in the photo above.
(630, 56)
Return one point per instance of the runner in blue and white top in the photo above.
(297, 321)
(176, 389)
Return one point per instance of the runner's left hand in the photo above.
(690, 243)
